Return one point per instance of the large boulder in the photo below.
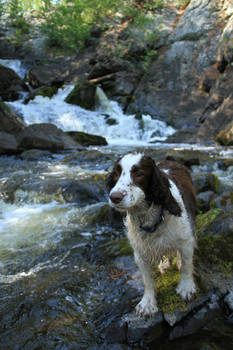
(83, 95)
(47, 75)
(8, 143)
(11, 85)
(9, 121)
(87, 139)
(46, 137)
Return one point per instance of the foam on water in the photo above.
(126, 130)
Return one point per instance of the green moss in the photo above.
(217, 250)
(168, 299)
(47, 91)
(206, 219)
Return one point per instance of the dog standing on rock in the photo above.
(160, 203)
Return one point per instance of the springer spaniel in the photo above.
(160, 203)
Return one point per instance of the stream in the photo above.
(63, 277)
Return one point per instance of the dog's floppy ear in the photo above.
(161, 193)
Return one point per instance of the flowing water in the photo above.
(60, 285)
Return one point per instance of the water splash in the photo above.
(16, 65)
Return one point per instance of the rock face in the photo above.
(225, 137)
(170, 88)
(46, 137)
(11, 85)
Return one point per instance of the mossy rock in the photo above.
(83, 95)
(85, 139)
(46, 91)
(208, 182)
(204, 220)
(168, 300)
(215, 240)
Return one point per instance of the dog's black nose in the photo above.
(116, 197)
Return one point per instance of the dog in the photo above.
(160, 205)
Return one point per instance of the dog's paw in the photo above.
(186, 288)
(147, 307)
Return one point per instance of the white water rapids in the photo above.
(127, 130)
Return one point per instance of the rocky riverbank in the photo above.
(181, 72)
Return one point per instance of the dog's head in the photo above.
(134, 179)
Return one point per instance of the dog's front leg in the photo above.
(147, 306)
(186, 286)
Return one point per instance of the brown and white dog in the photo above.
(160, 203)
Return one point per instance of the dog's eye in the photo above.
(137, 172)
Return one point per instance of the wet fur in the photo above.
(147, 188)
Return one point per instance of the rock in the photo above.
(87, 139)
(35, 154)
(83, 95)
(132, 329)
(225, 136)
(217, 114)
(199, 319)
(104, 65)
(8, 143)
(84, 192)
(11, 85)
(208, 78)
(45, 137)
(208, 182)
(47, 75)
(224, 201)
(186, 157)
(229, 300)
(204, 200)
(198, 19)
(46, 91)
(9, 121)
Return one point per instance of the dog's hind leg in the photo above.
(147, 307)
